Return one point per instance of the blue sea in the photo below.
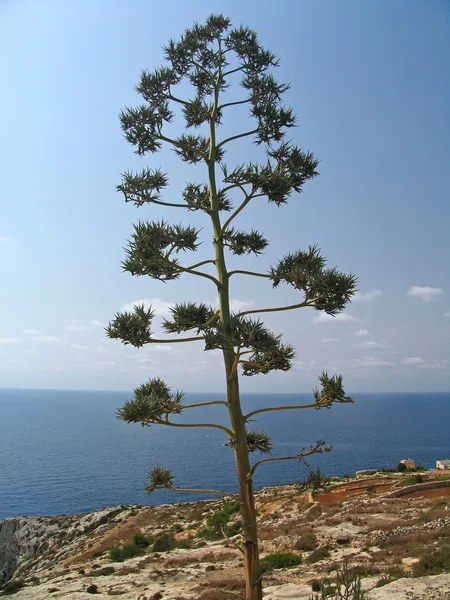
(64, 452)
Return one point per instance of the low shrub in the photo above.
(433, 562)
(412, 480)
(121, 553)
(163, 543)
(12, 587)
(141, 540)
(319, 554)
(218, 521)
(307, 541)
(281, 561)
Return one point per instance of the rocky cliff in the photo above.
(383, 540)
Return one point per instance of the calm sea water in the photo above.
(65, 452)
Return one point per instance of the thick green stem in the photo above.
(237, 419)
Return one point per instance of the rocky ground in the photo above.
(400, 547)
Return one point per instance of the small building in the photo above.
(409, 463)
(443, 464)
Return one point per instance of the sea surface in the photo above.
(65, 452)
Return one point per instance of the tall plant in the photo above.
(210, 57)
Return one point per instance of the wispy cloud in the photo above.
(102, 350)
(75, 325)
(160, 307)
(436, 364)
(361, 332)
(369, 344)
(323, 317)
(370, 362)
(95, 323)
(4, 239)
(426, 294)
(8, 340)
(33, 332)
(329, 340)
(367, 296)
(447, 314)
(412, 360)
(304, 366)
(237, 306)
(45, 338)
(79, 347)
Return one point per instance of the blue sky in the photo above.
(371, 90)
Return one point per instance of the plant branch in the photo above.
(204, 262)
(234, 103)
(300, 456)
(209, 425)
(275, 408)
(237, 137)
(176, 341)
(240, 272)
(198, 273)
(248, 197)
(161, 203)
(204, 404)
(179, 100)
(280, 308)
(233, 70)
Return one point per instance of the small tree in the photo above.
(210, 57)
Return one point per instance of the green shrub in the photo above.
(141, 540)
(218, 521)
(412, 480)
(12, 587)
(401, 467)
(433, 562)
(370, 489)
(221, 517)
(281, 561)
(121, 553)
(316, 585)
(163, 543)
(319, 554)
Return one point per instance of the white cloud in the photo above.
(304, 366)
(323, 317)
(102, 349)
(413, 360)
(237, 306)
(369, 362)
(369, 344)
(45, 338)
(427, 294)
(367, 296)
(144, 360)
(160, 347)
(78, 347)
(447, 314)
(95, 322)
(105, 365)
(361, 332)
(32, 332)
(436, 364)
(74, 326)
(4, 239)
(160, 307)
(8, 340)
(329, 340)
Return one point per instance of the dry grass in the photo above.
(217, 588)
